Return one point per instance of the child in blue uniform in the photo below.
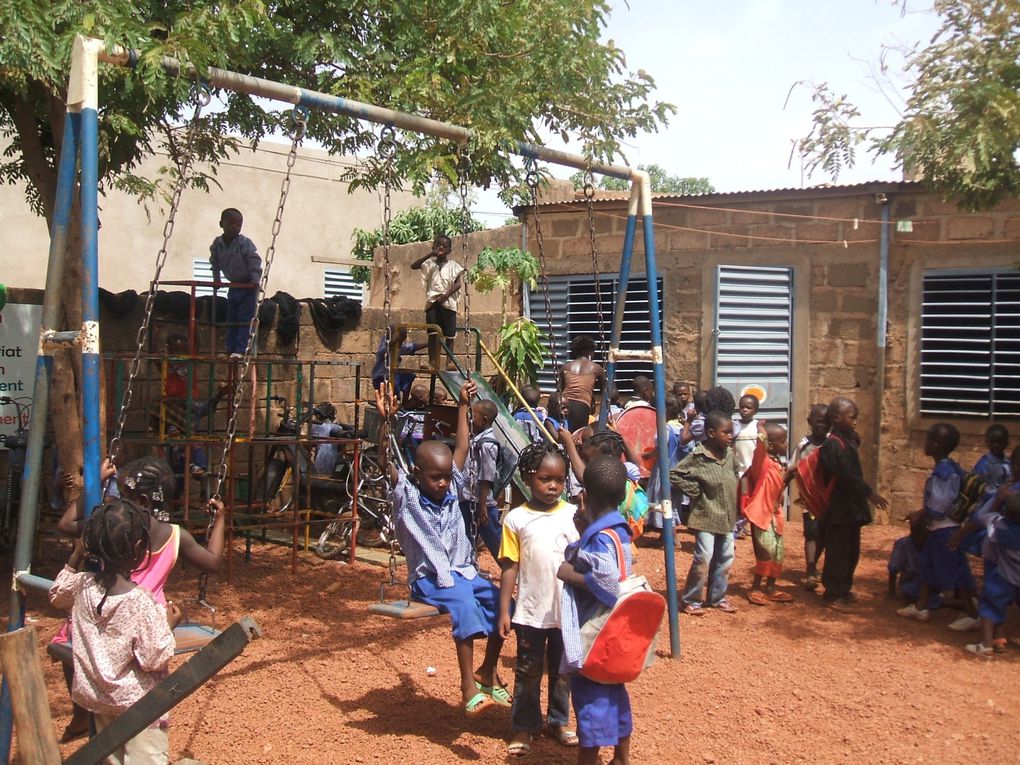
(1001, 552)
(591, 575)
(441, 567)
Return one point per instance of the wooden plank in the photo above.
(187, 679)
(37, 741)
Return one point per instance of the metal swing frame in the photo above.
(80, 141)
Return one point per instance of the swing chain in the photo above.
(299, 119)
(532, 178)
(386, 149)
(201, 97)
(464, 171)
(589, 196)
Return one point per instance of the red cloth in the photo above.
(177, 382)
(767, 479)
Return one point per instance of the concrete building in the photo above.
(315, 238)
(781, 290)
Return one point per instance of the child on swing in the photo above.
(149, 484)
(441, 568)
(122, 639)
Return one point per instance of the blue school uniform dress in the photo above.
(603, 711)
(440, 561)
(1001, 551)
(942, 568)
(995, 470)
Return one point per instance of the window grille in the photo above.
(338, 281)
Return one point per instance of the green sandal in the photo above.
(498, 693)
(478, 704)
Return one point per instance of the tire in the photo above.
(335, 540)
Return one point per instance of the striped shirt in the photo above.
(432, 535)
(712, 486)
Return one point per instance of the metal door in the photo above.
(754, 335)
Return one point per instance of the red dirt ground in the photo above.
(791, 683)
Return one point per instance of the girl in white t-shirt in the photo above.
(534, 538)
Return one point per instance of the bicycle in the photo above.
(17, 447)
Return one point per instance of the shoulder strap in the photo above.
(619, 552)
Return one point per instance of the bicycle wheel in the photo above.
(335, 540)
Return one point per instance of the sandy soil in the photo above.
(779, 684)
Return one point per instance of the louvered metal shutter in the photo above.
(574, 312)
(337, 281)
(201, 271)
(970, 344)
(754, 334)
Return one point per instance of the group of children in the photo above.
(536, 541)
(976, 513)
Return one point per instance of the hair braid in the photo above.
(112, 536)
(533, 455)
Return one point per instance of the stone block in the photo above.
(904, 208)
(849, 274)
(859, 302)
(687, 240)
(778, 235)
(566, 227)
(729, 238)
(755, 217)
(825, 352)
(824, 300)
(850, 207)
(793, 210)
(1011, 228)
(970, 227)
(850, 329)
(699, 217)
(817, 232)
(818, 275)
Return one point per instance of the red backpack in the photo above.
(619, 642)
(814, 490)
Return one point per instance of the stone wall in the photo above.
(830, 237)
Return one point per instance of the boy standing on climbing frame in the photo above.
(442, 278)
(234, 256)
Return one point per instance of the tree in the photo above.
(960, 127)
(507, 70)
(416, 224)
(501, 269)
(661, 179)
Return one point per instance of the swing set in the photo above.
(78, 170)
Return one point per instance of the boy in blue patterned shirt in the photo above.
(441, 567)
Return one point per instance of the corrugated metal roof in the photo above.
(608, 198)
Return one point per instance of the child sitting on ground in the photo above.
(708, 475)
(765, 511)
(533, 430)
(440, 559)
(943, 567)
(122, 639)
(848, 511)
(535, 536)
(993, 466)
(477, 502)
(591, 573)
(905, 567)
(1001, 553)
(818, 431)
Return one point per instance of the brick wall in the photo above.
(836, 276)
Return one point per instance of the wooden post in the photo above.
(37, 741)
(187, 679)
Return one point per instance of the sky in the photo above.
(728, 66)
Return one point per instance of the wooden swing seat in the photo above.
(188, 636)
(403, 609)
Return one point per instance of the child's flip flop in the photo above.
(478, 704)
(757, 598)
(518, 749)
(779, 597)
(498, 693)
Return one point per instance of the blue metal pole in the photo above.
(666, 505)
(31, 478)
(90, 360)
(621, 300)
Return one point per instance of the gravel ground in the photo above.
(786, 683)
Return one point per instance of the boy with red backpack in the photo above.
(848, 509)
(591, 574)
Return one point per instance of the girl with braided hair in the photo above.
(149, 484)
(535, 536)
(122, 639)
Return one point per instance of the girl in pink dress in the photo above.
(149, 483)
